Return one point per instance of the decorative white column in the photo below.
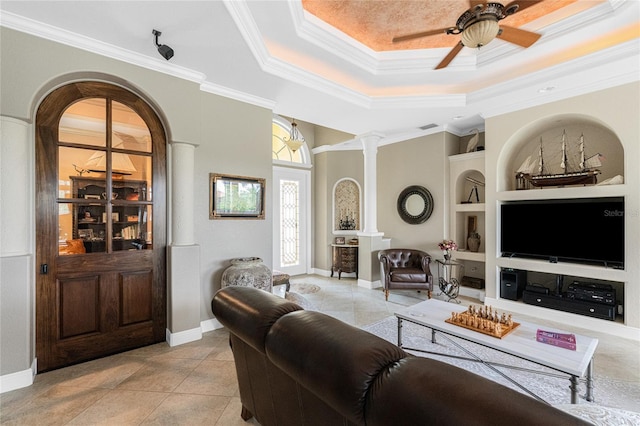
(370, 240)
(182, 195)
(370, 152)
(184, 302)
(17, 253)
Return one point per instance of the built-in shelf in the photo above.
(474, 293)
(467, 206)
(563, 268)
(469, 255)
(471, 207)
(592, 191)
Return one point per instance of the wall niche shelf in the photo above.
(467, 205)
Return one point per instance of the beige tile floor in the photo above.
(195, 383)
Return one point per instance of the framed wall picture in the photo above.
(236, 197)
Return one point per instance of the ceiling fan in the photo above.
(479, 26)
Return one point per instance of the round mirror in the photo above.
(415, 204)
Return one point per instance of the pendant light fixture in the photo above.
(295, 140)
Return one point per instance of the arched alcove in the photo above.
(525, 145)
(470, 187)
(346, 206)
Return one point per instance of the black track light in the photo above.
(163, 49)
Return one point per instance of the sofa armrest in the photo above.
(385, 263)
(249, 312)
(425, 261)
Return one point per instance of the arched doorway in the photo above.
(100, 224)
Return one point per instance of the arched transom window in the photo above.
(280, 151)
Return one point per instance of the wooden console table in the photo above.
(345, 259)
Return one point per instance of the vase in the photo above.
(248, 272)
(447, 256)
(473, 243)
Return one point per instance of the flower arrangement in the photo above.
(448, 245)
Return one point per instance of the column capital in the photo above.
(193, 144)
(370, 140)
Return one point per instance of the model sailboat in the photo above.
(573, 171)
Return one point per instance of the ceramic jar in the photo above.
(248, 272)
(473, 242)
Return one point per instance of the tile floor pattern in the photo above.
(195, 383)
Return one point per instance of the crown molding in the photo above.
(333, 41)
(419, 101)
(49, 32)
(241, 15)
(237, 95)
(621, 59)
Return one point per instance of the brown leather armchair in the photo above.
(405, 269)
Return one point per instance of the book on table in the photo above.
(562, 340)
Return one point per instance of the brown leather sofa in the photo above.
(405, 269)
(299, 368)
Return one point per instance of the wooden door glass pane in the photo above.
(73, 166)
(81, 228)
(132, 225)
(85, 123)
(134, 184)
(129, 132)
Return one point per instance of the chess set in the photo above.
(484, 320)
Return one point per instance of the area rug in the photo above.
(613, 399)
(303, 288)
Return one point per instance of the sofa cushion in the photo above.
(439, 389)
(408, 275)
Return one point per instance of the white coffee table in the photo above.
(520, 343)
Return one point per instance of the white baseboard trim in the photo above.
(210, 325)
(321, 272)
(369, 284)
(19, 380)
(182, 337)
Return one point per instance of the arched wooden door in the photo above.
(100, 224)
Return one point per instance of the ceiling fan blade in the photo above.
(418, 35)
(517, 36)
(452, 54)
(522, 4)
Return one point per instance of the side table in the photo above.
(345, 259)
(449, 285)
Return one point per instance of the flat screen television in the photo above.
(587, 231)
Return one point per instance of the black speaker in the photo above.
(512, 283)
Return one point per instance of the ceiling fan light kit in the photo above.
(480, 33)
(479, 25)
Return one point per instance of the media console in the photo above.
(592, 299)
(575, 306)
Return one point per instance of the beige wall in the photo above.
(232, 137)
(328, 168)
(422, 161)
